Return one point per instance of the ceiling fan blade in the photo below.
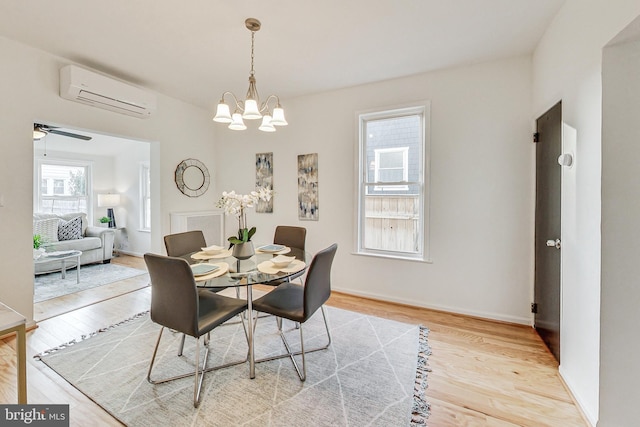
(69, 134)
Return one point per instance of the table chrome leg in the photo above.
(252, 359)
(78, 271)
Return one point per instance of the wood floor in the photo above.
(484, 373)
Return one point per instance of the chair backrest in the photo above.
(293, 237)
(317, 288)
(174, 296)
(180, 244)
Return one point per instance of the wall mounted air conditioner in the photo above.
(87, 87)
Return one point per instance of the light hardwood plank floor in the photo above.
(484, 373)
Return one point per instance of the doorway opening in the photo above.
(75, 173)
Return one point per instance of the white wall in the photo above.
(29, 89)
(567, 66)
(619, 373)
(481, 216)
(127, 183)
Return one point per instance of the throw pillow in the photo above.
(47, 229)
(70, 230)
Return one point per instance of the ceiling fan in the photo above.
(39, 132)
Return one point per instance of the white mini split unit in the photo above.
(87, 87)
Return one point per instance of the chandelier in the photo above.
(251, 108)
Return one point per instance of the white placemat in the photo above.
(224, 267)
(268, 267)
(203, 256)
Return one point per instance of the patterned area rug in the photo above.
(52, 285)
(373, 374)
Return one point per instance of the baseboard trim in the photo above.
(480, 314)
(587, 415)
(135, 254)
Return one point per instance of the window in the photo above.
(58, 186)
(391, 165)
(64, 186)
(392, 202)
(145, 196)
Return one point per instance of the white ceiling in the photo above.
(99, 145)
(197, 49)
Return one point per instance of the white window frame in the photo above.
(64, 162)
(145, 181)
(423, 110)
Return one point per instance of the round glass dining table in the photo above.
(246, 273)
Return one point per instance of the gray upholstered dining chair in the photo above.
(293, 237)
(299, 303)
(177, 303)
(181, 244)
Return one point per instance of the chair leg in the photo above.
(181, 345)
(302, 375)
(153, 358)
(199, 370)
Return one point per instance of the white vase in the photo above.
(37, 253)
(243, 250)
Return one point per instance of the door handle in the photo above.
(554, 243)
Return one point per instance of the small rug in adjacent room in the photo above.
(52, 285)
(373, 374)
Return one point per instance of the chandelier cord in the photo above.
(253, 35)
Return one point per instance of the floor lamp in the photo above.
(109, 201)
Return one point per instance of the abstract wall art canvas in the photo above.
(264, 178)
(308, 207)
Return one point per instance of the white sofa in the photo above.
(96, 243)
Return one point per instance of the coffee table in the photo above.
(63, 257)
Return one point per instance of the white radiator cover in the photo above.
(210, 222)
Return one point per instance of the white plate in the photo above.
(286, 250)
(212, 250)
(224, 267)
(271, 248)
(281, 261)
(203, 269)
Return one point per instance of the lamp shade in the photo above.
(251, 111)
(108, 200)
(223, 114)
(237, 123)
(266, 125)
(278, 117)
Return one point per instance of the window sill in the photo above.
(395, 257)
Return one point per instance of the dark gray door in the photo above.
(547, 235)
